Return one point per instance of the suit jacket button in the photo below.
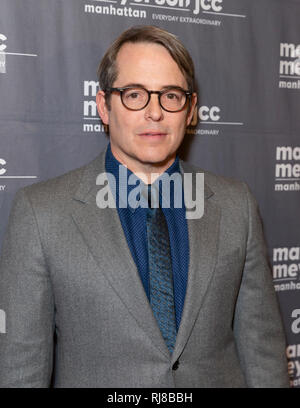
(175, 365)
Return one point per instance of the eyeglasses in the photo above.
(172, 99)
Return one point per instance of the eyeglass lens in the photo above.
(137, 98)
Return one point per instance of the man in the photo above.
(137, 296)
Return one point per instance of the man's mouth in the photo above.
(151, 133)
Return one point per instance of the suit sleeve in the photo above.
(258, 325)
(26, 346)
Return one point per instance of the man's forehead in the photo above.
(141, 50)
(151, 59)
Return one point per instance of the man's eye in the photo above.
(172, 96)
(133, 95)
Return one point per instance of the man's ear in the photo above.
(191, 109)
(102, 107)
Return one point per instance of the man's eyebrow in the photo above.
(144, 86)
(133, 85)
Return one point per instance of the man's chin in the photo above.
(156, 160)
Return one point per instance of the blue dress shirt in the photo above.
(133, 221)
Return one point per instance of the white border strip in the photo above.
(224, 14)
(18, 177)
(289, 76)
(17, 53)
(287, 179)
(224, 123)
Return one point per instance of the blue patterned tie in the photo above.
(160, 273)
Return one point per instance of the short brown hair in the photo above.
(108, 72)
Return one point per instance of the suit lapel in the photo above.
(102, 231)
(203, 244)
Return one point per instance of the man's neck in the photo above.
(147, 172)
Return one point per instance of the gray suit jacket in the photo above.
(66, 268)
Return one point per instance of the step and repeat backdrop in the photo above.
(247, 123)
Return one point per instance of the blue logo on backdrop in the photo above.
(91, 120)
(2, 172)
(3, 46)
(205, 12)
(210, 120)
(5, 176)
(287, 168)
(3, 39)
(293, 351)
(289, 66)
(4, 53)
(286, 268)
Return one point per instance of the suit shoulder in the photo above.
(62, 185)
(221, 184)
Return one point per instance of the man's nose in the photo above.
(153, 110)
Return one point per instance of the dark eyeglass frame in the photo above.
(149, 92)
